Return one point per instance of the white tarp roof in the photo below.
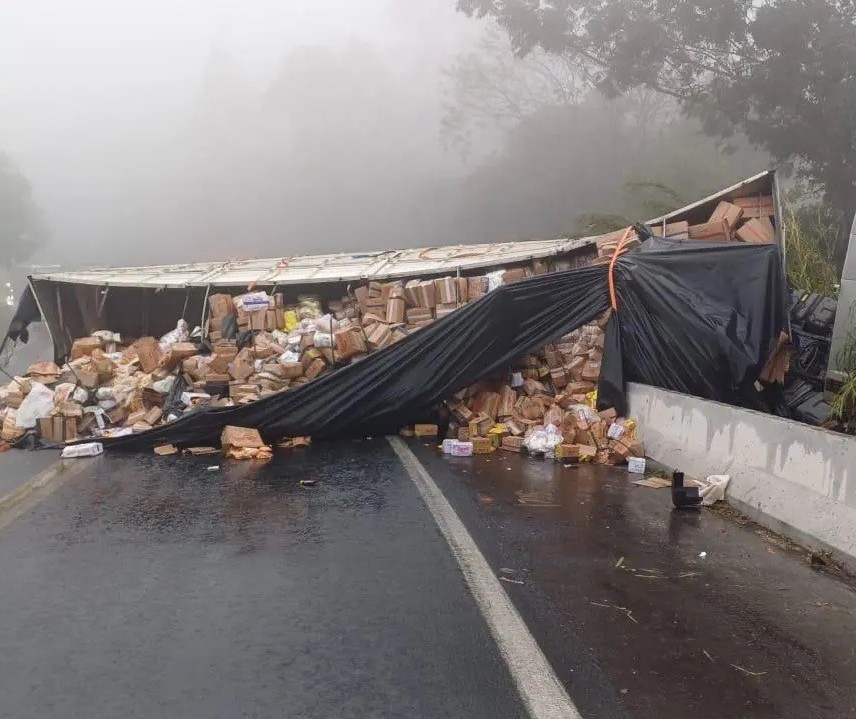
(308, 269)
(377, 265)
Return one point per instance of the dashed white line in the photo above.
(540, 689)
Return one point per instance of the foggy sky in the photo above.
(148, 126)
(155, 131)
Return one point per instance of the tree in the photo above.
(22, 228)
(780, 72)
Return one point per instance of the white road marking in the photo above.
(27, 495)
(539, 687)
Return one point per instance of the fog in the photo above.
(158, 132)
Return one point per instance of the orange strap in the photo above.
(619, 249)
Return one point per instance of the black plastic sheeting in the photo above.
(696, 319)
(26, 313)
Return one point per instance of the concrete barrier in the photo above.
(797, 480)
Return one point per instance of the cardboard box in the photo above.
(729, 212)
(515, 275)
(349, 342)
(176, 354)
(487, 403)
(591, 371)
(757, 231)
(411, 292)
(532, 387)
(462, 449)
(426, 430)
(258, 320)
(418, 314)
(482, 445)
(84, 346)
(558, 377)
(479, 426)
(567, 451)
(221, 305)
(426, 294)
(512, 444)
(240, 438)
(46, 428)
(507, 400)
(462, 291)
(117, 415)
(712, 231)
(476, 287)
(86, 379)
(153, 416)
(677, 231)
(757, 206)
(444, 310)
(574, 368)
(608, 415)
(395, 310)
(315, 369)
(445, 290)
(460, 412)
(148, 353)
(379, 336)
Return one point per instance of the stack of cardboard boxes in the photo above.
(556, 386)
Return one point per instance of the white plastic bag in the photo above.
(181, 333)
(108, 337)
(37, 404)
(322, 339)
(326, 324)
(164, 385)
(543, 439)
(494, 279)
(280, 337)
(713, 488)
(289, 357)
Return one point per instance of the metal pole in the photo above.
(204, 311)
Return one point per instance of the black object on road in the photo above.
(684, 497)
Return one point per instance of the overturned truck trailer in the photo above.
(701, 309)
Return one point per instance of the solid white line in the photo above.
(539, 688)
(27, 495)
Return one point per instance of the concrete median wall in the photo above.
(797, 480)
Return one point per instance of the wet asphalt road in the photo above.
(150, 587)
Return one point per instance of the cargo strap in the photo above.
(619, 250)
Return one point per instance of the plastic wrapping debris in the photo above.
(38, 403)
(712, 488)
(494, 280)
(322, 339)
(164, 385)
(543, 440)
(309, 306)
(181, 333)
(325, 324)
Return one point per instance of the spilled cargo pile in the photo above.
(255, 346)
(546, 407)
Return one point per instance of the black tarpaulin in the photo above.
(696, 319)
